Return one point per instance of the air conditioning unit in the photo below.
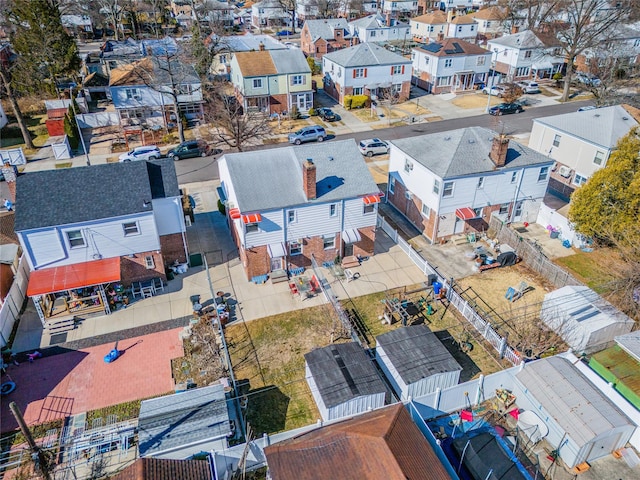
(564, 171)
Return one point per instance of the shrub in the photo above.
(169, 138)
(359, 101)
(557, 76)
(221, 207)
(294, 114)
(312, 112)
(41, 131)
(70, 131)
(347, 101)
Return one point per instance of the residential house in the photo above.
(366, 69)
(226, 47)
(164, 469)
(306, 10)
(286, 205)
(77, 25)
(490, 21)
(319, 37)
(526, 55)
(382, 441)
(448, 5)
(401, 10)
(430, 26)
(580, 143)
(215, 14)
(182, 11)
(451, 183)
(272, 81)
(461, 26)
(353, 10)
(156, 91)
(268, 14)
(620, 49)
(106, 224)
(115, 54)
(450, 65)
(376, 28)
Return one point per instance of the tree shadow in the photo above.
(469, 367)
(266, 409)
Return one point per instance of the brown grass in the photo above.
(477, 100)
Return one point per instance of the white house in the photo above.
(227, 46)
(452, 182)
(269, 13)
(343, 380)
(400, 9)
(526, 55)
(376, 28)
(306, 10)
(366, 69)
(415, 362)
(462, 26)
(286, 204)
(450, 65)
(430, 26)
(490, 20)
(448, 5)
(353, 10)
(111, 223)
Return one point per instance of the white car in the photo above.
(529, 87)
(496, 90)
(148, 152)
(373, 146)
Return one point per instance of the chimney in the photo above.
(440, 36)
(388, 19)
(499, 148)
(261, 47)
(514, 29)
(309, 179)
(449, 16)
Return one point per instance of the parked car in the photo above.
(284, 33)
(189, 149)
(506, 108)
(308, 134)
(373, 146)
(587, 108)
(529, 87)
(327, 114)
(588, 79)
(148, 152)
(496, 90)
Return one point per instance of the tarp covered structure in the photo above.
(485, 459)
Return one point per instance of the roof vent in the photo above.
(471, 140)
(447, 138)
(625, 118)
(331, 159)
(596, 115)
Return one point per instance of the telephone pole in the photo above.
(39, 456)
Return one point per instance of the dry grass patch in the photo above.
(365, 115)
(412, 108)
(477, 100)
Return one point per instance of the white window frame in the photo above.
(291, 216)
(80, 236)
(295, 247)
(436, 186)
(392, 185)
(132, 93)
(598, 158)
(329, 242)
(556, 140)
(504, 209)
(257, 83)
(369, 209)
(481, 60)
(444, 81)
(448, 62)
(579, 179)
(333, 210)
(149, 263)
(131, 229)
(425, 211)
(514, 177)
(544, 174)
(447, 189)
(358, 72)
(251, 227)
(480, 182)
(397, 70)
(358, 90)
(297, 80)
(408, 165)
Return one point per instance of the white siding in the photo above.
(315, 393)
(269, 230)
(169, 216)
(392, 374)
(419, 181)
(314, 220)
(432, 383)
(354, 216)
(43, 247)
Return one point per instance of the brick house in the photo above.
(366, 69)
(286, 204)
(319, 37)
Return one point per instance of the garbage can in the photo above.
(437, 286)
(431, 279)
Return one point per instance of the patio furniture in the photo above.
(296, 271)
(158, 284)
(293, 289)
(135, 289)
(303, 284)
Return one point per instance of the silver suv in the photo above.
(373, 146)
(308, 134)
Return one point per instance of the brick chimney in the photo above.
(450, 16)
(309, 179)
(440, 37)
(261, 46)
(499, 148)
(515, 29)
(388, 19)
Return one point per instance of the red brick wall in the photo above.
(256, 261)
(278, 103)
(134, 269)
(173, 248)
(406, 90)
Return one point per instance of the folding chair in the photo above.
(136, 289)
(158, 284)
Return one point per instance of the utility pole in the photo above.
(84, 147)
(39, 457)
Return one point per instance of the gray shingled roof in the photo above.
(364, 55)
(325, 28)
(290, 61)
(59, 197)
(248, 42)
(182, 419)
(524, 39)
(465, 151)
(416, 353)
(602, 126)
(373, 22)
(343, 372)
(272, 179)
(630, 343)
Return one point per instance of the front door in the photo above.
(348, 249)
(277, 263)
(459, 226)
(517, 212)
(301, 101)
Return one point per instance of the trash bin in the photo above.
(437, 286)
(431, 279)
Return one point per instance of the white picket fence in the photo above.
(100, 119)
(10, 309)
(474, 318)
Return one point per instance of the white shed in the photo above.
(343, 380)
(415, 361)
(583, 423)
(585, 320)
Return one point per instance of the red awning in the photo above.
(465, 213)
(369, 199)
(234, 213)
(252, 218)
(85, 274)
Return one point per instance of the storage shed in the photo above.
(585, 320)
(415, 361)
(584, 424)
(344, 381)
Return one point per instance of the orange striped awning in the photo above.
(371, 199)
(465, 213)
(252, 218)
(78, 275)
(234, 213)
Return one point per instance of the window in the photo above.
(544, 172)
(392, 185)
(291, 216)
(397, 70)
(459, 28)
(514, 177)
(251, 227)
(477, 212)
(184, 89)
(480, 182)
(373, 33)
(329, 242)
(297, 80)
(148, 262)
(408, 165)
(132, 93)
(527, 54)
(522, 71)
(130, 228)
(447, 191)
(76, 240)
(333, 210)
(358, 90)
(444, 81)
(556, 141)
(426, 60)
(481, 60)
(504, 209)
(358, 73)
(369, 209)
(257, 83)
(473, 27)
(223, 59)
(295, 247)
(599, 158)
(397, 87)
(426, 211)
(448, 62)
(431, 28)
(436, 187)
(579, 179)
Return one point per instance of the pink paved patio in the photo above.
(79, 381)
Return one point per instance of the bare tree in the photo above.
(6, 81)
(290, 6)
(158, 8)
(327, 8)
(113, 11)
(535, 12)
(231, 125)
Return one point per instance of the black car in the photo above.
(327, 114)
(189, 149)
(506, 108)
